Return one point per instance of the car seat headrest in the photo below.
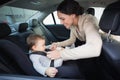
(23, 27)
(18, 56)
(91, 11)
(110, 20)
(4, 30)
(34, 22)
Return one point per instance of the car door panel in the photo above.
(59, 31)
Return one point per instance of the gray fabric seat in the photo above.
(4, 30)
(15, 57)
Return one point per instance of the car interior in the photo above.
(14, 54)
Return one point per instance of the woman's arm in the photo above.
(65, 43)
(91, 48)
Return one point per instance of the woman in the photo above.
(82, 26)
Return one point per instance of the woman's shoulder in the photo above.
(87, 16)
(90, 18)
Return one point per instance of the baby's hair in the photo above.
(33, 38)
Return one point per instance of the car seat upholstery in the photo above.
(36, 27)
(4, 30)
(18, 57)
(18, 38)
(110, 23)
(23, 33)
(13, 54)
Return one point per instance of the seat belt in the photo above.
(48, 34)
(52, 63)
(43, 54)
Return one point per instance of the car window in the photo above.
(50, 20)
(98, 12)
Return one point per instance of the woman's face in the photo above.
(66, 20)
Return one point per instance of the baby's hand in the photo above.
(51, 71)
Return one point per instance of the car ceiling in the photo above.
(40, 4)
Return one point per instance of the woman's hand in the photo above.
(53, 46)
(53, 54)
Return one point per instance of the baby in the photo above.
(40, 61)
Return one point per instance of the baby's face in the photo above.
(40, 45)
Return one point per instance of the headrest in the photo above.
(34, 22)
(4, 30)
(115, 5)
(110, 19)
(23, 27)
(91, 11)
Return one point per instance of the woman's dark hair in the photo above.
(70, 7)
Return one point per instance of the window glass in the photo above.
(48, 20)
(56, 18)
(98, 12)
